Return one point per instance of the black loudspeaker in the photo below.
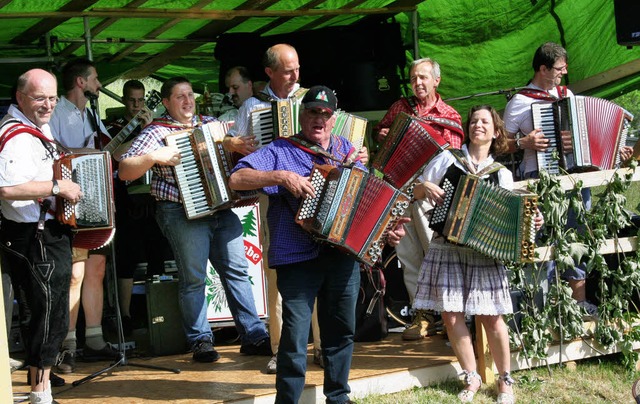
(627, 14)
(166, 336)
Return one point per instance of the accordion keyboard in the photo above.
(89, 173)
(439, 215)
(310, 205)
(193, 194)
(543, 118)
(262, 126)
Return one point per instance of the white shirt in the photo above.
(517, 118)
(243, 122)
(24, 159)
(438, 166)
(72, 127)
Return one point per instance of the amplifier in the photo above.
(166, 336)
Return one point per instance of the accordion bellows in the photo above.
(352, 210)
(598, 129)
(492, 220)
(409, 146)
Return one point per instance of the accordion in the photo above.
(352, 210)
(204, 169)
(494, 221)
(282, 120)
(410, 144)
(598, 129)
(93, 217)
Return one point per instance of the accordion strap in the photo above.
(490, 169)
(444, 122)
(543, 95)
(319, 151)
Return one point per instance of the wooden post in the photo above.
(485, 360)
(6, 395)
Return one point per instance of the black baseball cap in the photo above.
(320, 97)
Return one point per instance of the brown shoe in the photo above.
(423, 325)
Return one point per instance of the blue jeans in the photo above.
(334, 278)
(217, 238)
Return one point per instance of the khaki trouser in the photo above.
(414, 245)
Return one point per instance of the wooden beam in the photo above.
(610, 246)
(104, 24)
(50, 20)
(211, 30)
(277, 22)
(589, 180)
(189, 14)
(154, 34)
(606, 77)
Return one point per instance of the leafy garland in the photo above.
(561, 317)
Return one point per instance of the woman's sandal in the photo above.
(506, 398)
(466, 395)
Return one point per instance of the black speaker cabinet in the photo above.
(627, 14)
(166, 336)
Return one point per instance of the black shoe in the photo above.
(262, 348)
(65, 362)
(107, 353)
(56, 381)
(204, 352)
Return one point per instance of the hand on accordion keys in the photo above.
(429, 191)
(241, 144)
(394, 235)
(535, 140)
(69, 190)
(538, 220)
(166, 156)
(298, 185)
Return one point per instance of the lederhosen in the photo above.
(38, 258)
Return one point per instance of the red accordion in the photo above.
(598, 129)
(352, 210)
(410, 144)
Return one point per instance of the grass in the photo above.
(595, 380)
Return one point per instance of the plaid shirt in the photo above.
(439, 110)
(163, 181)
(289, 243)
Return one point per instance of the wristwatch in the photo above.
(56, 189)
(518, 137)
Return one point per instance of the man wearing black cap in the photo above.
(305, 268)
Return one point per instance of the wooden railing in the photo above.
(626, 244)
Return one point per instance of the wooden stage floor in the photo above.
(380, 367)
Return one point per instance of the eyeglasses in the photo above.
(320, 112)
(561, 68)
(41, 100)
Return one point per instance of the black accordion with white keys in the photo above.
(352, 210)
(204, 169)
(598, 128)
(492, 220)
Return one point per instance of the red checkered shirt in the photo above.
(439, 110)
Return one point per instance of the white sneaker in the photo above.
(15, 364)
(41, 397)
(272, 365)
(591, 310)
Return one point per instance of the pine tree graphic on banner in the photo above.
(249, 224)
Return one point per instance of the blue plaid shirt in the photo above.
(163, 181)
(289, 243)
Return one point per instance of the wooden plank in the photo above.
(589, 180)
(50, 20)
(624, 244)
(485, 360)
(606, 77)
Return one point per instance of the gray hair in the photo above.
(435, 66)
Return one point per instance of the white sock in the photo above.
(41, 397)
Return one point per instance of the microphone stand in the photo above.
(122, 354)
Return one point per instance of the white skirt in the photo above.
(458, 279)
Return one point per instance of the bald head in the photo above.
(37, 95)
(283, 68)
